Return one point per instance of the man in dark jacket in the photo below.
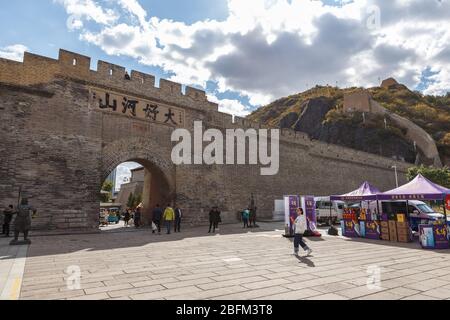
(8, 213)
(177, 219)
(157, 214)
(137, 217)
(214, 219)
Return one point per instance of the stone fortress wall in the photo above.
(59, 148)
(361, 100)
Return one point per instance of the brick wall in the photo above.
(59, 149)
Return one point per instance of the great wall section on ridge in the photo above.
(61, 137)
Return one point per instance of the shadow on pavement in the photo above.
(130, 237)
(306, 260)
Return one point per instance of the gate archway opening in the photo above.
(136, 182)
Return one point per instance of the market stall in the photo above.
(360, 221)
(432, 234)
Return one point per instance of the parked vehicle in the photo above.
(419, 212)
(328, 211)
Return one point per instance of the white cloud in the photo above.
(13, 52)
(266, 49)
(123, 173)
(233, 107)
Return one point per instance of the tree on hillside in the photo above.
(440, 176)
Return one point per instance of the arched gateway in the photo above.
(65, 127)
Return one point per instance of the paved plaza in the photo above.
(233, 264)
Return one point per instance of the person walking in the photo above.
(169, 217)
(214, 219)
(300, 225)
(127, 217)
(137, 217)
(157, 215)
(177, 219)
(245, 216)
(7, 213)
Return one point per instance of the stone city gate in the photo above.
(65, 127)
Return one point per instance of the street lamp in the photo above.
(396, 176)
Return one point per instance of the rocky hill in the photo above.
(319, 112)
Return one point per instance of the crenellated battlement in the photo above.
(36, 69)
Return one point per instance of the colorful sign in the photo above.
(440, 234)
(447, 202)
(291, 203)
(310, 211)
(351, 229)
(426, 236)
(372, 230)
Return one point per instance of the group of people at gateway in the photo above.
(167, 217)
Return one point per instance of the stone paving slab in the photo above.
(233, 264)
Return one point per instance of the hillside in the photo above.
(319, 112)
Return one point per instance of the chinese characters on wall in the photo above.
(134, 107)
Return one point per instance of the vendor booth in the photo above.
(360, 221)
(434, 234)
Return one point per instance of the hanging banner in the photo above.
(309, 207)
(291, 203)
(447, 202)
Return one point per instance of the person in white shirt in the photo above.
(300, 225)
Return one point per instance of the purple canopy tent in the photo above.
(365, 192)
(420, 188)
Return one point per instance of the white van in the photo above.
(419, 212)
(327, 209)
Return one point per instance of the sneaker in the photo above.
(295, 253)
(308, 252)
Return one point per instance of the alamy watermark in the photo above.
(231, 149)
(73, 281)
(374, 278)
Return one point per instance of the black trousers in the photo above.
(214, 225)
(245, 220)
(177, 225)
(5, 228)
(298, 240)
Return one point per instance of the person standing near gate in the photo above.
(169, 217)
(7, 213)
(23, 221)
(214, 219)
(300, 224)
(157, 215)
(137, 217)
(177, 219)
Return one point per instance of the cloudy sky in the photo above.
(244, 53)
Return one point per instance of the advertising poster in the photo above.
(351, 229)
(426, 236)
(440, 237)
(447, 202)
(309, 206)
(291, 203)
(372, 230)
